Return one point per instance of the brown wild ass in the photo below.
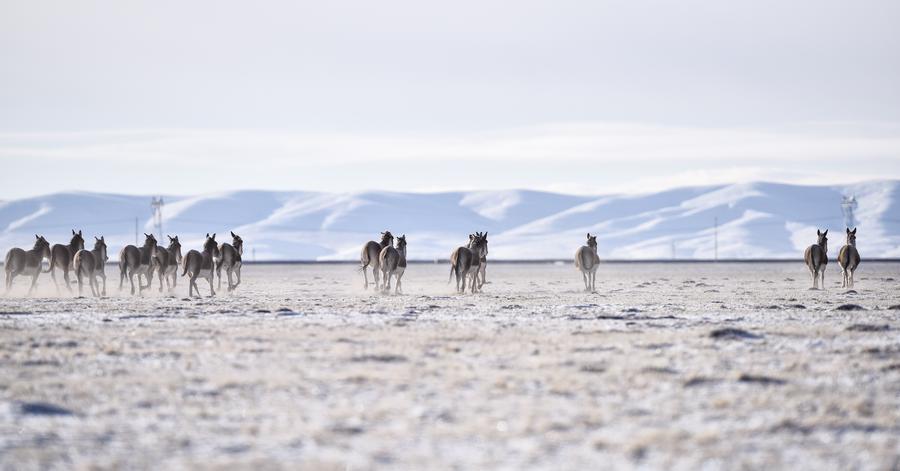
(202, 264)
(848, 259)
(464, 262)
(816, 257)
(61, 256)
(137, 261)
(91, 264)
(166, 263)
(230, 259)
(481, 271)
(393, 263)
(587, 260)
(21, 262)
(369, 256)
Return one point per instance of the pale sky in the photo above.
(576, 96)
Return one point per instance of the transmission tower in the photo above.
(848, 205)
(157, 205)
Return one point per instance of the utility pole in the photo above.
(716, 240)
(157, 205)
(848, 205)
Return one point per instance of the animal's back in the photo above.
(848, 257)
(15, 260)
(389, 259)
(129, 257)
(585, 258)
(83, 261)
(370, 253)
(192, 262)
(60, 256)
(815, 256)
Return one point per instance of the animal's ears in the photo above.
(170, 237)
(818, 232)
(485, 235)
(825, 233)
(214, 236)
(853, 231)
(146, 235)
(97, 238)
(79, 232)
(232, 234)
(73, 231)
(37, 237)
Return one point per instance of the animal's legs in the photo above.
(79, 276)
(399, 290)
(219, 272)
(237, 272)
(33, 282)
(212, 292)
(228, 272)
(104, 283)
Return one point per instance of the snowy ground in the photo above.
(302, 367)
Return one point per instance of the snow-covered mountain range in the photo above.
(755, 220)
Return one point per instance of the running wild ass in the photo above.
(848, 259)
(464, 262)
(91, 264)
(816, 257)
(393, 263)
(21, 262)
(137, 261)
(230, 259)
(587, 260)
(166, 263)
(61, 256)
(202, 264)
(481, 272)
(369, 256)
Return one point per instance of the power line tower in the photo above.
(848, 206)
(157, 205)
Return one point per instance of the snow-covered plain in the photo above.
(302, 368)
(756, 220)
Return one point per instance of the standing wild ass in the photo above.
(21, 262)
(816, 257)
(91, 264)
(848, 259)
(464, 262)
(61, 256)
(202, 264)
(167, 261)
(393, 263)
(137, 261)
(587, 260)
(230, 259)
(370, 253)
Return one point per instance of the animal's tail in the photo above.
(185, 267)
(452, 267)
(52, 261)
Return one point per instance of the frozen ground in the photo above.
(302, 367)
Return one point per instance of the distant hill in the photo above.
(756, 220)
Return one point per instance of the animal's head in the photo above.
(822, 238)
(210, 245)
(100, 247)
(851, 237)
(401, 243)
(592, 241)
(175, 247)
(479, 244)
(77, 241)
(237, 243)
(483, 238)
(40, 243)
(387, 239)
(149, 241)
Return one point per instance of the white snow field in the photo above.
(667, 366)
(756, 220)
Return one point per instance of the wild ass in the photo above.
(369, 256)
(21, 262)
(230, 259)
(587, 260)
(137, 261)
(91, 264)
(816, 257)
(202, 264)
(848, 259)
(166, 263)
(393, 263)
(481, 271)
(464, 262)
(61, 256)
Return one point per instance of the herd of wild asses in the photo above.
(467, 263)
(89, 265)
